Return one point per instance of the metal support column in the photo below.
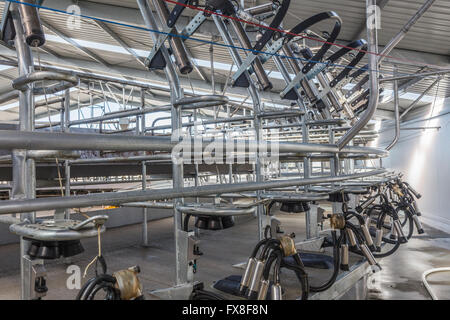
(144, 176)
(256, 111)
(24, 172)
(181, 263)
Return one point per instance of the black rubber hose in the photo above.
(274, 255)
(108, 287)
(258, 246)
(103, 281)
(205, 295)
(271, 244)
(303, 278)
(337, 263)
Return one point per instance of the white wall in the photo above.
(424, 158)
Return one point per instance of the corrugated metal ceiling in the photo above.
(430, 34)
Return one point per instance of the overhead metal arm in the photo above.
(373, 82)
(397, 117)
(401, 34)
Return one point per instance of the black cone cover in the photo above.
(48, 250)
(294, 206)
(297, 207)
(215, 223)
(285, 207)
(54, 249)
(227, 222)
(34, 249)
(201, 223)
(70, 248)
(337, 197)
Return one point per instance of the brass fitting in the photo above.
(128, 283)
(337, 221)
(288, 246)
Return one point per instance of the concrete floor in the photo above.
(400, 278)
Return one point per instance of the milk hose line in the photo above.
(201, 40)
(425, 282)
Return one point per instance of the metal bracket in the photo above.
(162, 37)
(193, 25)
(328, 89)
(273, 48)
(190, 29)
(192, 249)
(295, 83)
(243, 67)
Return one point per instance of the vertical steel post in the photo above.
(181, 263)
(24, 175)
(65, 125)
(256, 108)
(144, 210)
(144, 177)
(67, 185)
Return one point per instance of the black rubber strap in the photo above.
(360, 71)
(344, 73)
(357, 87)
(326, 46)
(276, 22)
(341, 52)
(176, 12)
(302, 26)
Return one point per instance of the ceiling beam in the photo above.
(119, 40)
(146, 76)
(75, 44)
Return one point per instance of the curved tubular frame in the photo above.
(22, 82)
(374, 85)
(29, 231)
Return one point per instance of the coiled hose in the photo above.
(103, 282)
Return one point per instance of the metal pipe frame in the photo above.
(181, 263)
(373, 80)
(397, 116)
(117, 198)
(27, 142)
(401, 34)
(24, 170)
(11, 139)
